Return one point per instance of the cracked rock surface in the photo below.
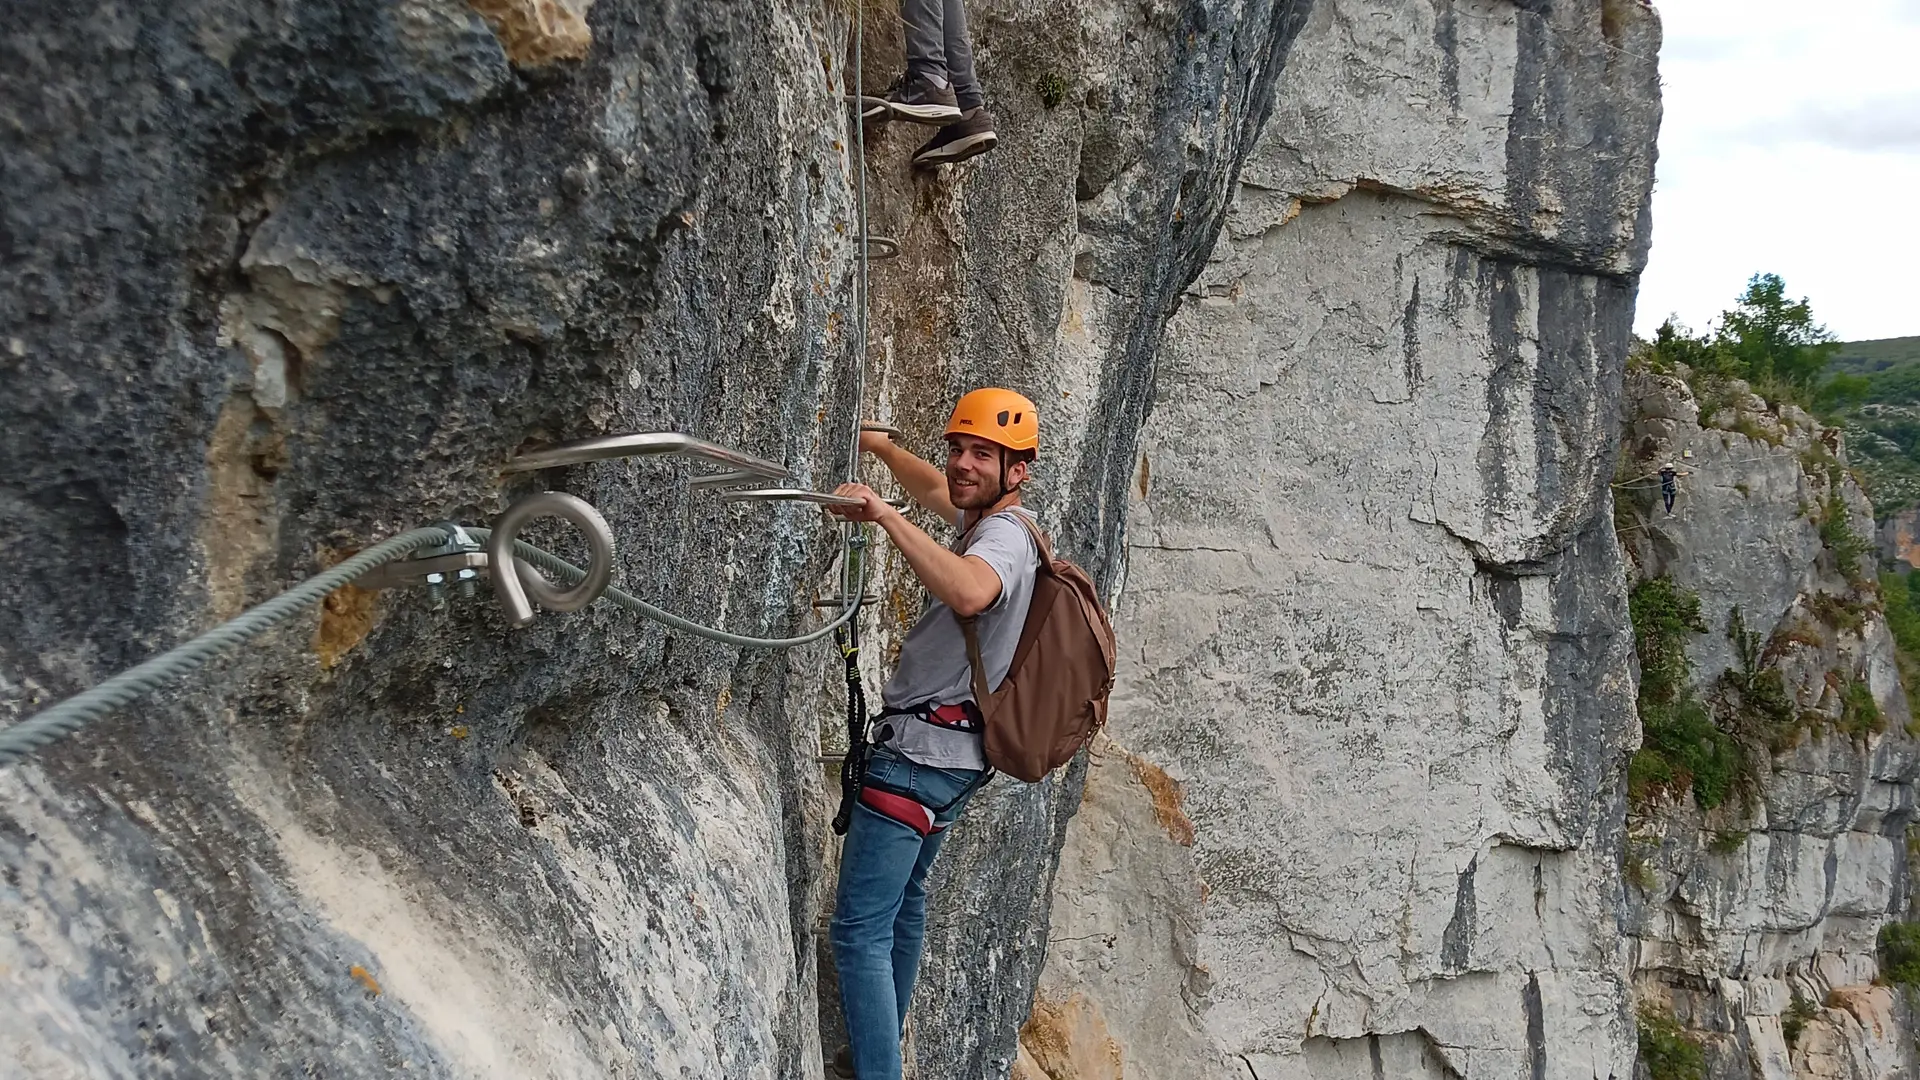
(287, 278)
(1373, 631)
(1755, 923)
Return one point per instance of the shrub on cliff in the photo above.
(1667, 1051)
(1766, 339)
(1681, 748)
(1900, 953)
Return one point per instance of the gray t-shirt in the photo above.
(933, 658)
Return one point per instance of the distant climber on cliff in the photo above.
(1670, 484)
(939, 86)
(927, 755)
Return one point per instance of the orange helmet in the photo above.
(999, 416)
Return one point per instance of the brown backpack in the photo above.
(1055, 694)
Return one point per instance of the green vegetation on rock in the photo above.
(1900, 603)
(1768, 341)
(1794, 1020)
(1681, 747)
(1872, 393)
(1900, 953)
(1667, 1051)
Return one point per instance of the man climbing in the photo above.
(939, 86)
(927, 753)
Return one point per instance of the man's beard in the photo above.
(982, 496)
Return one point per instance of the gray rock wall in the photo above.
(1771, 904)
(1363, 806)
(284, 279)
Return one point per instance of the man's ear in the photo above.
(1018, 473)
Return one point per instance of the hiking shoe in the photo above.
(973, 135)
(843, 1063)
(916, 99)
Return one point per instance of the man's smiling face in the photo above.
(973, 472)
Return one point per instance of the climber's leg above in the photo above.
(974, 133)
(926, 95)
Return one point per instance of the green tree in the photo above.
(1776, 338)
(1771, 342)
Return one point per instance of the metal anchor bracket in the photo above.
(460, 560)
(882, 248)
(646, 443)
(515, 580)
(888, 430)
(868, 600)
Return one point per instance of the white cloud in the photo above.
(1790, 145)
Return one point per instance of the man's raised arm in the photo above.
(924, 481)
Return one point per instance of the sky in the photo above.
(1790, 145)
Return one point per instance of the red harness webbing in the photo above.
(901, 809)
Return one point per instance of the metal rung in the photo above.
(872, 107)
(643, 443)
(888, 248)
(888, 430)
(724, 480)
(833, 601)
(798, 495)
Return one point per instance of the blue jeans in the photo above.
(880, 910)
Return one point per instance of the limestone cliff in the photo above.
(286, 278)
(1755, 921)
(1363, 809)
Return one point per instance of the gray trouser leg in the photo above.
(926, 39)
(960, 58)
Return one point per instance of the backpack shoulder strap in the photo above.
(1040, 540)
(980, 693)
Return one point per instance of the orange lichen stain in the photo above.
(1069, 1040)
(1167, 798)
(538, 32)
(365, 979)
(726, 699)
(1145, 472)
(458, 731)
(346, 616)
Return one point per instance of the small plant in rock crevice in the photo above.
(1751, 698)
(1860, 714)
(1794, 1021)
(1900, 953)
(1052, 88)
(1727, 841)
(1837, 534)
(1667, 1050)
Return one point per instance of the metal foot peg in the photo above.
(881, 248)
(715, 481)
(798, 495)
(515, 580)
(888, 430)
(645, 443)
(872, 107)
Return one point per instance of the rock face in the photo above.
(1756, 922)
(1362, 811)
(284, 279)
